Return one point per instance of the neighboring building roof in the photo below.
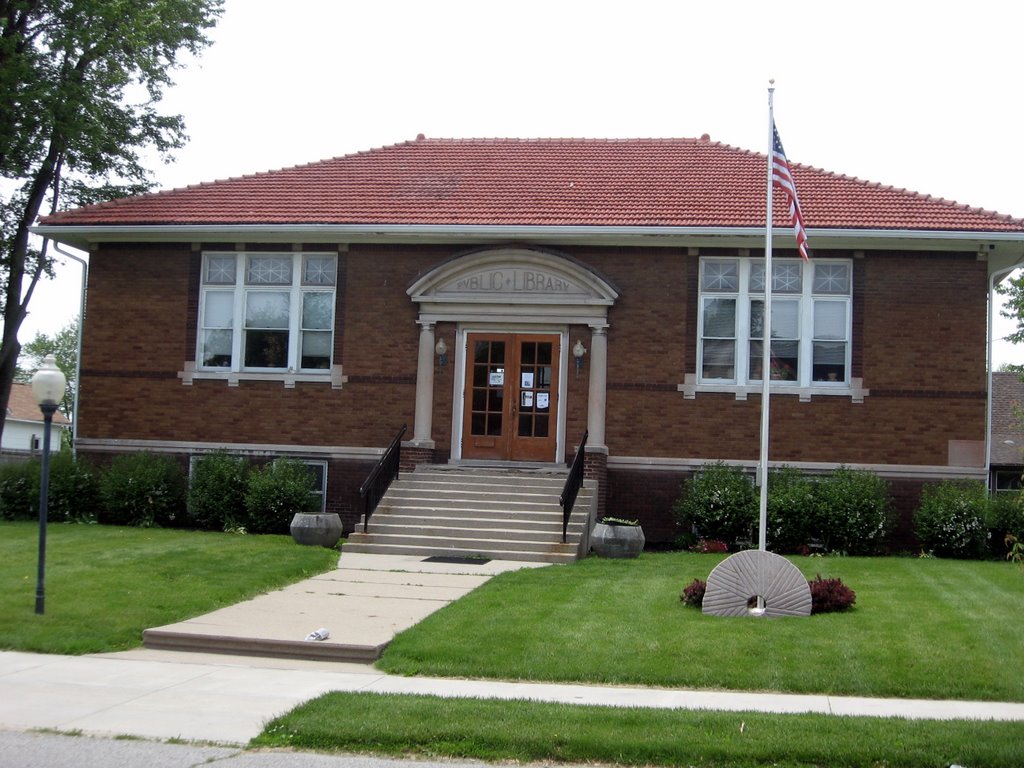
(23, 407)
(1007, 419)
(540, 182)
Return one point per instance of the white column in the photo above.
(598, 396)
(424, 387)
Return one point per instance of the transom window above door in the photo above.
(811, 322)
(267, 312)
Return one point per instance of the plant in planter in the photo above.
(617, 537)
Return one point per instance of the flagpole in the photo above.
(766, 352)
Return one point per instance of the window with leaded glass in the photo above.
(811, 321)
(267, 311)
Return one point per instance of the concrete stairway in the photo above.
(500, 514)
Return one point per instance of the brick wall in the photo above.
(919, 344)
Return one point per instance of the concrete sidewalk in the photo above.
(226, 699)
(363, 603)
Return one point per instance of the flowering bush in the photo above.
(854, 511)
(951, 519)
(719, 502)
(829, 595)
(277, 491)
(693, 593)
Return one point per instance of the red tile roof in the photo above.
(540, 182)
(22, 406)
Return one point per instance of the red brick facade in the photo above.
(919, 340)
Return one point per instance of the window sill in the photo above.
(855, 391)
(289, 379)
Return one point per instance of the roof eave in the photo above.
(1006, 243)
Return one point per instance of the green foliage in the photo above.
(144, 490)
(846, 511)
(719, 502)
(1005, 517)
(950, 520)
(80, 81)
(794, 516)
(854, 511)
(277, 491)
(216, 492)
(63, 345)
(19, 490)
(74, 490)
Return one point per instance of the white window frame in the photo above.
(321, 492)
(296, 289)
(740, 382)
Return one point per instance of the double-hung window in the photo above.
(811, 322)
(267, 312)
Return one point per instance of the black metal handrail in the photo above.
(381, 476)
(573, 484)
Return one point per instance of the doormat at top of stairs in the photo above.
(457, 560)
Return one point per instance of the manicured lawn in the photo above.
(105, 585)
(520, 731)
(921, 628)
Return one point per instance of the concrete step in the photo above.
(559, 553)
(414, 517)
(459, 539)
(436, 508)
(503, 514)
(412, 530)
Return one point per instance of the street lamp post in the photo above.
(48, 385)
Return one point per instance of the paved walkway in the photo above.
(363, 604)
(226, 699)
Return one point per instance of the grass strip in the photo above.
(106, 584)
(434, 727)
(921, 628)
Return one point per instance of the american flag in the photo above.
(782, 178)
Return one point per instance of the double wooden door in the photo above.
(511, 397)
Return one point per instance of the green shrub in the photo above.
(854, 511)
(19, 490)
(793, 511)
(951, 518)
(216, 491)
(277, 491)
(719, 502)
(143, 490)
(74, 490)
(1005, 516)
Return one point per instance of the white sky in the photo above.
(921, 95)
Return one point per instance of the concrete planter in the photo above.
(316, 530)
(617, 540)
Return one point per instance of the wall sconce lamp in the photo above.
(578, 352)
(442, 353)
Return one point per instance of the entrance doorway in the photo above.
(511, 397)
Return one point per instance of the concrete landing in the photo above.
(363, 603)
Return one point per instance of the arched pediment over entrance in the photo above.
(509, 283)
